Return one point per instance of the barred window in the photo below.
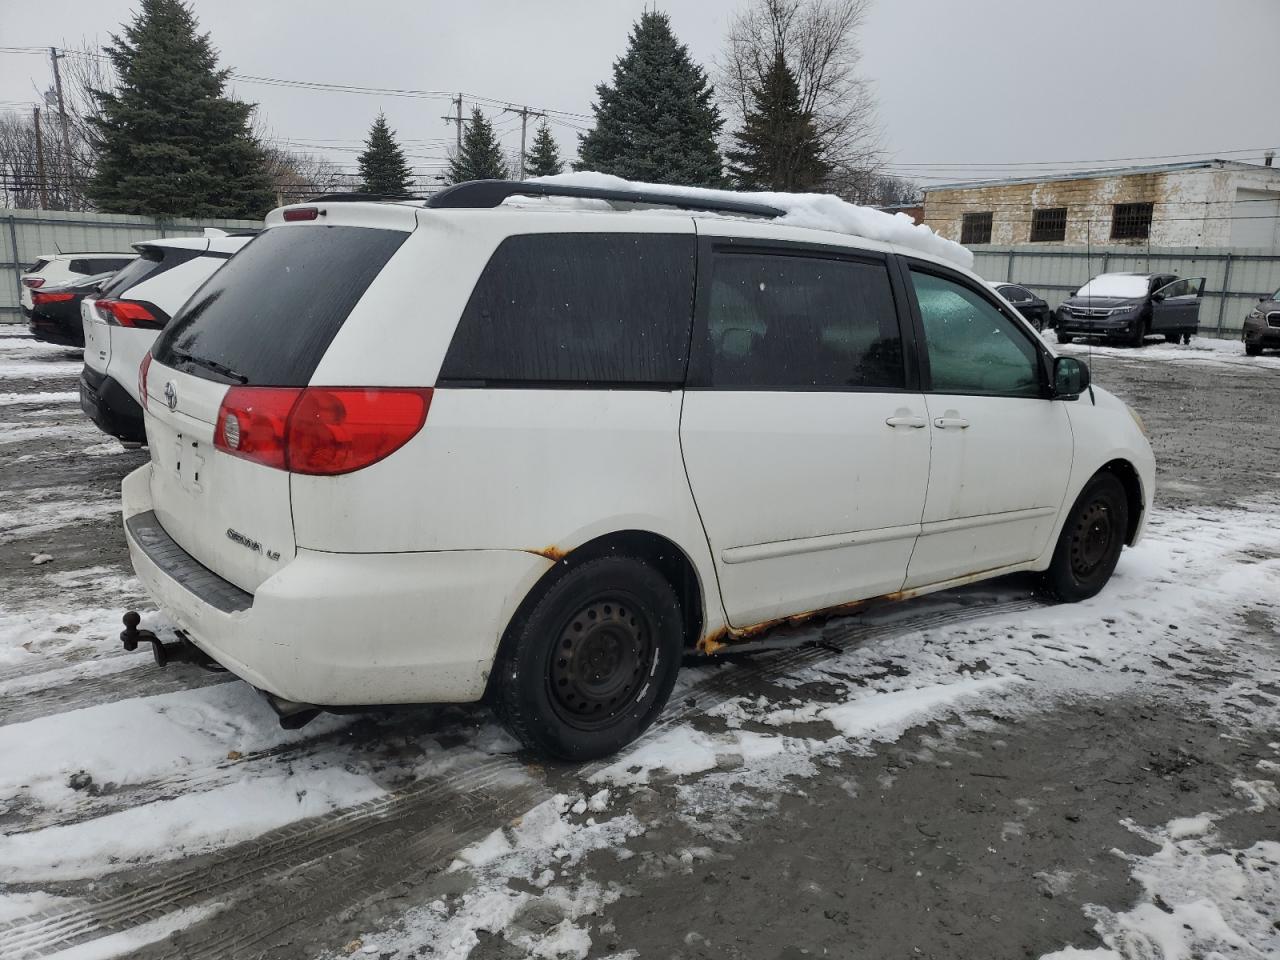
(975, 228)
(1131, 221)
(1049, 224)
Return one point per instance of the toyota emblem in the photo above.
(171, 395)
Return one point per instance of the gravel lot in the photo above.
(974, 774)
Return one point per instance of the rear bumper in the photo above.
(109, 406)
(56, 332)
(337, 629)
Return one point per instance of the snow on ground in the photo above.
(1201, 897)
(817, 211)
(43, 509)
(1211, 350)
(41, 399)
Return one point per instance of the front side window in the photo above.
(973, 348)
(776, 321)
(975, 228)
(1181, 288)
(578, 309)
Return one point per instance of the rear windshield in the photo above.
(151, 262)
(269, 315)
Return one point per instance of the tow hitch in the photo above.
(181, 650)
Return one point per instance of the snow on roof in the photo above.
(816, 211)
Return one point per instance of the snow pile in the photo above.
(817, 211)
(1200, 899)
(535, 850)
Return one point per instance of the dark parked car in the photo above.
(1129, 307)
(1262, 326)
(1033, 309)
(55, 311)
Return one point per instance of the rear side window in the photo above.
(269, 315)
(801, 323)
(579, 308)
(151, 262)
(38, 265)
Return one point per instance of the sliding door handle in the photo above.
(915, 422)
(951, 423)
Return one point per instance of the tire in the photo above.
(617, 621)
(1091, 540)
(1252, 350)
(1137, 336)
(1064, 337)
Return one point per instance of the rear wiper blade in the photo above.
(213, 365)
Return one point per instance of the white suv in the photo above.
(408, 452)
(51, 269)
(129, 312)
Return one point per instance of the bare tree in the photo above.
(20, 184)
(296, 175)
(818, 39)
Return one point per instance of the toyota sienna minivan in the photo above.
(443, 451)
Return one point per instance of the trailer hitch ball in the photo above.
(131, 636)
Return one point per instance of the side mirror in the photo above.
(1070, 378)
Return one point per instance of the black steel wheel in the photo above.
(591, 664)
(1089, 545)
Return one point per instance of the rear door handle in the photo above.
(948, 423)
(916, 422)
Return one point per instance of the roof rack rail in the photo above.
(476, 194)
(356, 198)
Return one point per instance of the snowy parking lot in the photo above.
(972, 774)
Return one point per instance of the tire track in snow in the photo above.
(288, 874)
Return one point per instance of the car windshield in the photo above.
(1124, 285)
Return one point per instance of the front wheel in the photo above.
(1252, 349)
(1138, 335)
(1091, 539)
(590, 667)
(1064, 338)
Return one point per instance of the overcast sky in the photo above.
(965, 87)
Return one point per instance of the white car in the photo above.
(127, 315)
(52, 269)
(433, 452)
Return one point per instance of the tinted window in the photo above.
(777, 321)
(973, 347)
(78, 266)
(38, 265)
(1014, 294)
(272, 311)
(151, 262)
(1181, 288)
(578, 308)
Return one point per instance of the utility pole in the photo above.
(456, 119)
(54, 57)
(44, 195)
(525, 114)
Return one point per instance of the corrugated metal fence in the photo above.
(26, 234)
(1234, 277)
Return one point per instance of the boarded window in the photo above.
(578, 309)
(801, 323)
(975, 228)
(1131, 221)
(1049, 224)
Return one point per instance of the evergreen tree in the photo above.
(778, 147)
(383, 169)
(167, 141)
(657, 121)
(481, 155)
(543, 160)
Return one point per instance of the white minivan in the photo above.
(417, 452)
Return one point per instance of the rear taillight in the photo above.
(300, 213)
(52, 297)
(322, 431)
(130, 313)
(143, 369)
(33, 283)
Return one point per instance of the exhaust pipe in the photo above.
(292, 714)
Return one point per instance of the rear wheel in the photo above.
(590, 667)
(1091, 540)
